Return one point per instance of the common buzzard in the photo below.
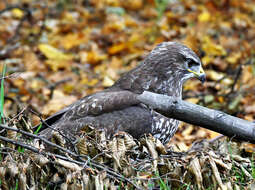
(163, 71)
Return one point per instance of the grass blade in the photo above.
(2, 94)
(38, 129)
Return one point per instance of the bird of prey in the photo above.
(163, 71)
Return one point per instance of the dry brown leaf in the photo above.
(58, 101)
(216, 173)
(195, 168)
(69, 165)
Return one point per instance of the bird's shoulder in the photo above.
(93, 105)
(102, 102)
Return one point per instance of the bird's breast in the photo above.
(163, 128)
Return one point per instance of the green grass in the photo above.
(38, 129)
(238, 174)
(21, 149)
(162, 184)
(17, 185)
(2, 102)
(2, 95)
(252, 167)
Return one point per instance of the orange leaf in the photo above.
(94, 57)
(117, 48)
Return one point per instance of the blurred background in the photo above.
(58, 51)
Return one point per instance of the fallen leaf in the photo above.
(234, 57)
(213, 75)
(17, 13)
(89, 82)
(55, 65)
(193, 100)
(58, 101)
(73, 39)
(107, 81)
(204, 16)
(250, 109)
(116, 48)
(53, 53)
(94, 57)
(211, 48)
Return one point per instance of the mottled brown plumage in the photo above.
(163, 71)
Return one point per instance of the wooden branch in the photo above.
(198, 115)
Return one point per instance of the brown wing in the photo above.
(112, 110)
(95, 104)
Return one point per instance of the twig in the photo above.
(53, 86)
(216, 138)
(237, 76)
(20, 144)
(160, 177)
(11, 76)
(109, 172)
(21, 112)
(41, 138)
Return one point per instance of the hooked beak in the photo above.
(202, 78)
(201, 75)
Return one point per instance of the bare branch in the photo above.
(198, 115)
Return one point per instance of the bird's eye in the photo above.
(191, 63)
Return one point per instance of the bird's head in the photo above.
(173, 58)
(164, 70)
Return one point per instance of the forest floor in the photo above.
(52, 53)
